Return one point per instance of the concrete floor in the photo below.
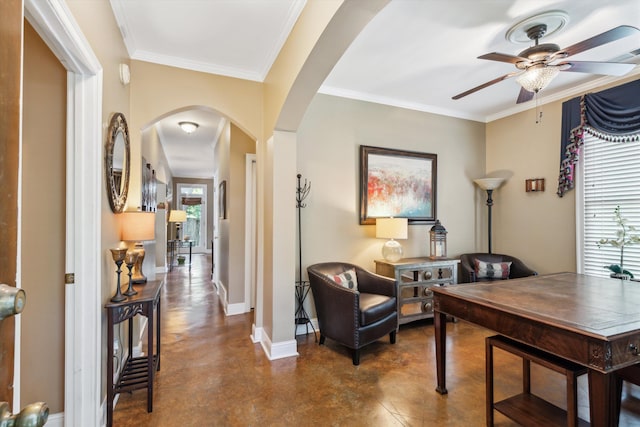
(213, 375)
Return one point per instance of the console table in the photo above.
(136, 372)
(415, 277)
(173, 247)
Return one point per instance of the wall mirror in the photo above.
(117, 162)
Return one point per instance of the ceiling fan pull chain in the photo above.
(538, 111)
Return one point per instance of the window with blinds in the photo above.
(610, 178)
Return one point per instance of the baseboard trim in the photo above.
(279, 350)
(256, 334)
(55, 420)
(306, 329)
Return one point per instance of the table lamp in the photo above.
(391, 228)
(489, 184)
(138, 227)
(178, 217)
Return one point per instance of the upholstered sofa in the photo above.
(353, 318)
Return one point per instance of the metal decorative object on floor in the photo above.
(302, 286)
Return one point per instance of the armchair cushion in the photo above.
(374, 307)
(348, 279)
(492, 270)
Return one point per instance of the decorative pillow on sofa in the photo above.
(347, 279)
(492, 270)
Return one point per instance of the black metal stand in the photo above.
(302, 287)
(489, 204)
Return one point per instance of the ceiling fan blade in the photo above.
(595, 41)
(482, 86)
(524, 96)
(503, 57)
(603, 68)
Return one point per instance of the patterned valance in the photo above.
(611, 115)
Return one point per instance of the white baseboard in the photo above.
(55, 420)
(256, 334)
(278, 350)
(307, 329)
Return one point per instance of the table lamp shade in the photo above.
(138, 226)
(177, 216)
(391, 228)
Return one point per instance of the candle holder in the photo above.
(130, 259)
(118, 256)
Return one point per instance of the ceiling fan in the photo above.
(536, 67)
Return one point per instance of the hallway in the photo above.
(213, 375)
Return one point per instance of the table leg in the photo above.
(110, 391)
(603, 400)
(440, 322)
(158, 317)
(150, 367)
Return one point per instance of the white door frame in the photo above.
(203, 214)
(250, 233)
(56, 25)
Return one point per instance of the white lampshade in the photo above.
(489, 183)
(138, 226)
(177, 216)
(391, 228)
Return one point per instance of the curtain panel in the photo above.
(612, 115)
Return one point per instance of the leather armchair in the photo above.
(468, 273)
(354, 318)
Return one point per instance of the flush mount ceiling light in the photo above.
(188, 127)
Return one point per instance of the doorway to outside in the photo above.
(193, 200)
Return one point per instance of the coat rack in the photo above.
(302, 286)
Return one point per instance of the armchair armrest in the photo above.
(373, 283)
(519, 269)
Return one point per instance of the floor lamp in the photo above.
(489, 184)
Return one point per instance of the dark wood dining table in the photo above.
(589, 320)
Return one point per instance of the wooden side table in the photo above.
(136, 372)
(415, 277)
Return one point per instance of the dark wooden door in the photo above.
(11, 19)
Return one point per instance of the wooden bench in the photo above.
(527, 408)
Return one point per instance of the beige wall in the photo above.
(43, 224)
(539, 227)
(328, 156)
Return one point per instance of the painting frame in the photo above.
(222, 200)
(397, 183)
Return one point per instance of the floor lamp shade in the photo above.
(391, 228)
(138, 227)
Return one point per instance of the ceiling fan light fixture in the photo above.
(537, 77)
(188, 127)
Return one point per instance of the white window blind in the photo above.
(611, 177)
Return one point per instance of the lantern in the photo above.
(438, 241)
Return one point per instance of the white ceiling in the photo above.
(415, 53)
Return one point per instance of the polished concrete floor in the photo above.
(213, 375)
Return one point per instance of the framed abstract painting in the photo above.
(397, 183)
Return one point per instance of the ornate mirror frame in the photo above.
(117, 182)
